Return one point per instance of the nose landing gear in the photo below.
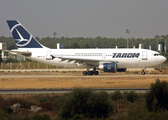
(143, 71)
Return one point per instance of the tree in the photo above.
(84, 103)
(37, 38)
(157, 97)
(131, 96)
(8, 60)
(74, 45)
(87, 46)
(12, 47)
(116, 95)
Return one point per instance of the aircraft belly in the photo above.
(126, 63)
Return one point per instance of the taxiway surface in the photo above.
(129, 75)
(60, 91)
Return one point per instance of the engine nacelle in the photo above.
(108, 67)
(121, 69)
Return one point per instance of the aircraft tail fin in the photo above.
(23, 38)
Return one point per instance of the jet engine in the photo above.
(108, 67)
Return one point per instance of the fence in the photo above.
(27, 65)
(162, 66)
(38, 65)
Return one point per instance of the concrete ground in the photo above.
(50, 70)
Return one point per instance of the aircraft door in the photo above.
(103, 56)
(144, 55)
(48, 55)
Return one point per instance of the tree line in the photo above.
(97, 42)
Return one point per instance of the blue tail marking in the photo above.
(23, 38)
(52, 57)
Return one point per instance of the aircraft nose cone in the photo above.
(163, 58)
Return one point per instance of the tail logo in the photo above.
(23, 38)
(18, 33)
(21, 42)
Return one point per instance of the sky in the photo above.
(87, 18)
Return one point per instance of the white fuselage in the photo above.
(126, 58)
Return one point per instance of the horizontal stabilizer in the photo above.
(26, 54)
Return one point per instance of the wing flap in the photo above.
(85, 59)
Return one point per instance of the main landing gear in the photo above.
(143, 71)
(91, 72)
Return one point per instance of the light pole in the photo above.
(54, 38)
(149, 44)
(127, 31)
(165, 46)
(157, 42)
(116, 43)
(161, 47)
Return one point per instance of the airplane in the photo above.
(105, 59)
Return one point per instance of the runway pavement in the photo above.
(59, 91)
(113, 75)
(50, 70)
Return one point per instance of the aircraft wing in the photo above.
(83, 61)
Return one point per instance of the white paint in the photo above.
(1, 47)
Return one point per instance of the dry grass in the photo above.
(81, 81)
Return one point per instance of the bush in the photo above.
(131, 96)
(1, 98)
(157, 97)
(78, 117)
(116, 95)
(3, 115)
(10, 101)
(44, 99)
(46, 106)
(84, 102)
(22, 115)
(138, 111)
(41, 117)
(136, 72)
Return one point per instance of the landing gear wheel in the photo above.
(143, 73)
(85, 73)
(96, 72)
(90, 72)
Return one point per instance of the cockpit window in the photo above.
(156, 54)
